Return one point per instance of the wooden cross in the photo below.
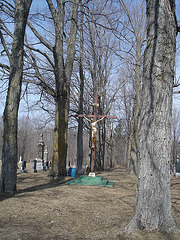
(96, 118)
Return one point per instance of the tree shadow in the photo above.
(32, 180)
(52, 183)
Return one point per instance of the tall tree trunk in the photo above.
(103, 143)
(80, 110)
(10, 116)
(60, 140)
(153, 199)
(63, 72)
(80, 137)
(109, 145)
(134, 140)
(60, 80)
(54, 167)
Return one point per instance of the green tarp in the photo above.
(91, 181)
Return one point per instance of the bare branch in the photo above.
(52, 9)
(4, 45)
(41, 82)
(44, 54)
(176, 92)
(176, 85)
(41, 39)
(5, 66)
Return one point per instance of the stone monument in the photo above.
(23, 166)
(46, 162)
(40, 154)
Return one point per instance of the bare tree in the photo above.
(10, 116)
(126, 106)
(134, 37)
(63, 72)
(98, 63)
(80, 107)
(153, 199)
(55, 79)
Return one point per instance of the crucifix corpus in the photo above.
(95, 119)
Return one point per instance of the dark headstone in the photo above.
(34, 166)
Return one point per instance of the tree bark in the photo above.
(153, 199)
(63, 72)
(137, 105)
(10, 116)
(80, 110)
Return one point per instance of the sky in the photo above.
(38, 4)
(42, 4)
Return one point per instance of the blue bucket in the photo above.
(73, 172)
(69, 172)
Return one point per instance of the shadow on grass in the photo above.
(32, 179)
(28, 182)
(52, 183)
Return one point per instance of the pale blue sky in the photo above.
(41, 4)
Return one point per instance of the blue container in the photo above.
(69, 172)
(73, 172)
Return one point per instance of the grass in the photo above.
(49, 209)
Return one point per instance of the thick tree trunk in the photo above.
(62, 141)
(54, 167)
(59, 141)
(80, 123)
(80, 110)
(80, 146)
(109, 145)
(10, 116)
(153, 199)
(134, 140)
(63, 72)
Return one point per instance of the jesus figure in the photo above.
(94, 129)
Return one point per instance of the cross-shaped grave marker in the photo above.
(96, 118)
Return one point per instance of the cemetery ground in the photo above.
(49, 209)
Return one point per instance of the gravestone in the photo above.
(46, 165)
(178, 166)
(40, 154)
(23, 166)
(20, 159)
(34, 170)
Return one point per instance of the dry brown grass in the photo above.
(49, 209)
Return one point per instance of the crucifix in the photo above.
(95, 119)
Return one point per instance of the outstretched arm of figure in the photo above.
(87, 118)
(101, 119)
